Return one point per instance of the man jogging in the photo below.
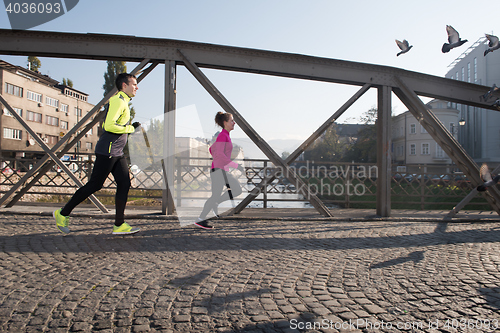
(109, 158)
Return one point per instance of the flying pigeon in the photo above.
(487, 96)
(493, 44)
(453, 40)
(487, 178)
(404, 46)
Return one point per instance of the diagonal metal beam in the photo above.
(51, 154)
(452, 213)
(254, 136)
(50, 163)
(444, 138)
(37, 167)
(42, 169)
(293, 156)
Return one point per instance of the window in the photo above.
(422, 129)
(475, 70)
(18, 111)
(53, 121)
(34, 116)
(33, 96)
(64, 108)
(88, 145)
(52, 101)
(463, 74)
(10, 133)
(91, 131)
(413, 149)
(413, 128)
(13, 90)
(78, 112)
(439, 152)
(399, 151)
(64, 124)
(425, 149)
(468, 72)
(51, 139)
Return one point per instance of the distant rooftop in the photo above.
(482, 40)
(32, 75)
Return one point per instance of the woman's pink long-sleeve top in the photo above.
(221, 152)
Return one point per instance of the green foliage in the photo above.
(365, 148)
(34, 63)
(284, 155)
(330, 147)
(114, 68)
(67, 82)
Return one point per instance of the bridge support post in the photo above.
(384, 151)
(167, 206)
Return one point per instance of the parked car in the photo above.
(408, 177)
(445, 180)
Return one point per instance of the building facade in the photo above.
(412, 144)
(480, 135)
(50, 110)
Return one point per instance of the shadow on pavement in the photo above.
(248, 237)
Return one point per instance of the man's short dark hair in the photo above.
(123, 78)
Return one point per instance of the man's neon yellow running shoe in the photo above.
(62, 222)
(124, 229)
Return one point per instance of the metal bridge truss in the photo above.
(149, 52)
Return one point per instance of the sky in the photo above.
(277, 108)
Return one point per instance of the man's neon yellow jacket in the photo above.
(116, 128)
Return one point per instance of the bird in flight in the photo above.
(454, 39)
(493, 44)
(404, 46)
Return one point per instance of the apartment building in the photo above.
(50, 110)
(479, 136)
(476, 129)
(412, 144)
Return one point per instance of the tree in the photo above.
(330, 147)
(114, 68)
(365, 148)
(67, 82)
(34, 63)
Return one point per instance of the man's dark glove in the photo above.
(136, 124)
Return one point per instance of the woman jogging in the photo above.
(221, 152)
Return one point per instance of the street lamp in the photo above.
(461, 122)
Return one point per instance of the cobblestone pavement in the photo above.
(249, 276)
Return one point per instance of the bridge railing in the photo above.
(343, 185)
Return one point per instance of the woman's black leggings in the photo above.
(103, 166)
(218, 184)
